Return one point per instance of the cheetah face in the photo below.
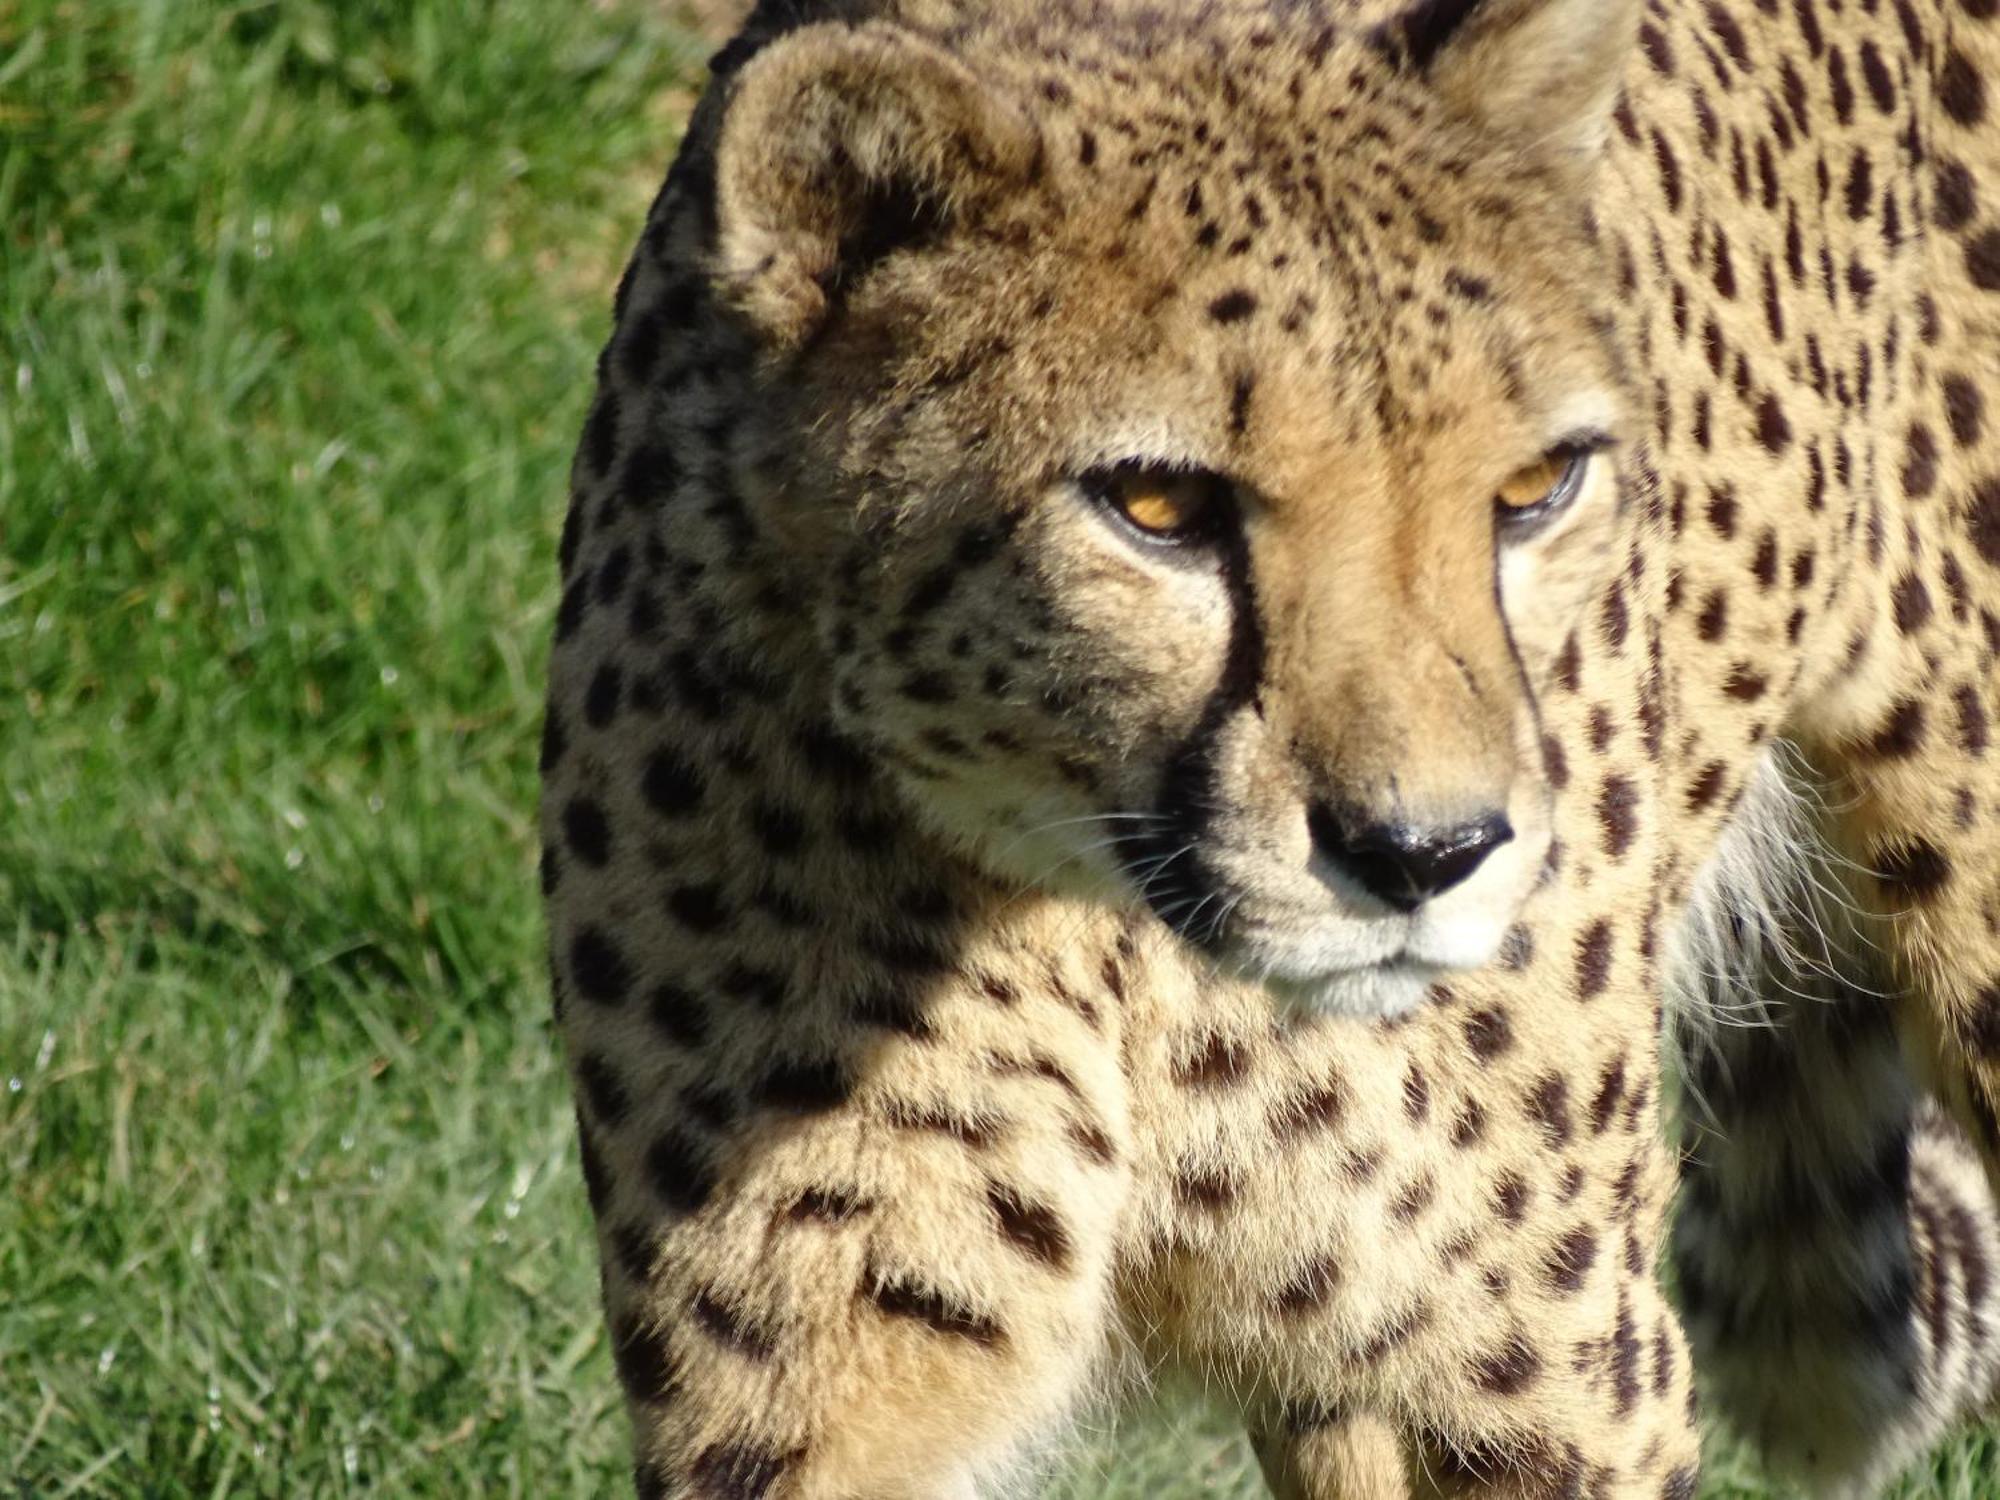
(1221, 580)
(1289, 705)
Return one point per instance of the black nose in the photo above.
(1403, 866)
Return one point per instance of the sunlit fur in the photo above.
(959, 900)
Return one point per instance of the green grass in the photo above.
(298, 303)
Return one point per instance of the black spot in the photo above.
(596, 1180)
(1092, 1142)
(555, 743)
(1203, 1189)
(597, 968)
(671, 785)
(574, 606)
(1972, 721)
(650, 474)
(645, 1363)
(1954, 198)
(1570, 1259)
(1470, 1125)
(1317, 1109)
(612, 573)
(679, 1172)
(735, 1471)
(1960, 89)
(1920, 462)
(1722, 512)
(1713, 621)
(1240, 393)
(900, 1297)
(710, 1105)
(1416, 1094)
(1219, 1063)
(1654, 43)
(679, 1014)
(931, 687)
(1773, 430)
(887, 1008)
(1413, 1199)
(1980, 1025)
(700, 907)
(780, 829)
(761, 986)
(1593, 959)
(1232, 307)
(1982, 260)
(803, 1086)
(1965, 408)
(599, 1081)
(1902, 733)
(1618, 814)
(1610, 1089)
(1034, 1228)
(1912, 603)
(1310, 1287)
(1917, 868)
(975, 1130)
(827, 1205)
(1467, 287)
(1489, 1033)
(1983, 520)
(587, 831)
(1625, 1355)
(828, 752)
(1420, 32)
(1547, 1105)
(1509, 1371)
(600, 700)
(1875, 72)
(600, 433)
(1860, 186)
(1843, 90)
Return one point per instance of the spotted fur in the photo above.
(1000, 953)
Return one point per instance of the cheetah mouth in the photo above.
(1379, 990)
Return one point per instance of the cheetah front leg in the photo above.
(876, 1272)
(1836, 1234)
(880, 1310)
(1319, 1454)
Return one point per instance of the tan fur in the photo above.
(963, 929)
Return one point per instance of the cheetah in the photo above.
(1187, 633)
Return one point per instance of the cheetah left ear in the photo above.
(842, 145)
(1543, 73)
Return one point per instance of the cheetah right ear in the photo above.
(1544, 74)
(841, 145)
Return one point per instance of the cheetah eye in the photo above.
(1545, 486)
(1176, 507)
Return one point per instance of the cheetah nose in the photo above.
(1401, 866)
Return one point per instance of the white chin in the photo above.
(1374, 992)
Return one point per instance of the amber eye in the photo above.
(1165, 505)
(1544, 486)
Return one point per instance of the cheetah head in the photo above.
(1193, 448)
